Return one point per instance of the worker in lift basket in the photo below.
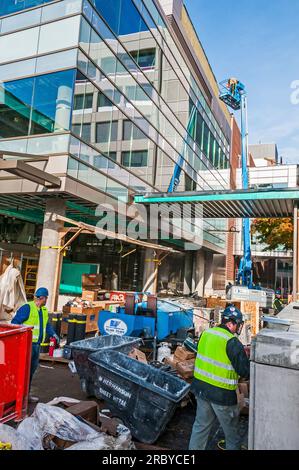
(221, 361)
(36, 314)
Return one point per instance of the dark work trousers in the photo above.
(207, 414)
(34, 359)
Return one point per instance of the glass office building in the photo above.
(106, 89)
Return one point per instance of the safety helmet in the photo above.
(42, 292)
(232, 313)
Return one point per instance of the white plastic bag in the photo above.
(16, 439)
(30, 427)
(58, 422)
(104, 442)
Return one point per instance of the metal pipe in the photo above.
(295, 254)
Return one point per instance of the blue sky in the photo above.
(256, 41)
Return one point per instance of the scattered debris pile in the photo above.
(75, 428)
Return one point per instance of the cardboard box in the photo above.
(171, 361)
(182, 354)
(186, 369)
(89, 295)
(91, 281)
(85, 409)
(138, 355)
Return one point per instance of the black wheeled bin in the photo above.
(82, 349)
(143, 397)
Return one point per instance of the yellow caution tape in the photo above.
(50, 247)
(81, 322)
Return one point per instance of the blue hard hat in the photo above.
(232, 313)
(42, 292)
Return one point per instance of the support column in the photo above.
(150, 272)
(208, 289)
(198, 273)
(188, 272)
(50, 261)
(295, 254)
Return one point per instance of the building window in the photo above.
(85, 133)
(82, 131)
(83, 101)
(101, 162)
(206, 140)
(136, 93)
(12, 6)
(121, 15)
(134, 159)
(190, 184)
(106, 132)
(103, 101)
(145, 58)
(132, 132)
(36, 105)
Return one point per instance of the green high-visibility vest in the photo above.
(33, 320)
(212, 364)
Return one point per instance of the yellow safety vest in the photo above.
(33, 320)
(212, 364)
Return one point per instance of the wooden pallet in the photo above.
(47, 358)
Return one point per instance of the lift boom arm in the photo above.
(233, 93)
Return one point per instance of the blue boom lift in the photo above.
(233, 94)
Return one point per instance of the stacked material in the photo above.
(183, 361)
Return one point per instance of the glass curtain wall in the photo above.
(12, 6)
(36, 105)
(113, 69)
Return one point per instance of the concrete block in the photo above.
(274, 408)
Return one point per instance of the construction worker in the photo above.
(221, 361)
(277, 304)
(232, 85)
(35, 314)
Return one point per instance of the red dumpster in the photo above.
(15, 359)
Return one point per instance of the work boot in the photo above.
(33, 399)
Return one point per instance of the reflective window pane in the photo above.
(17, 69)
(29, 18)
(60, 9)
(134, 159)
(106, 132)
(132, 132)
(52, 104)
(19, 45)
(12, 6)
(116, 14)
(59, 35)
(15, 107)
(36, 105)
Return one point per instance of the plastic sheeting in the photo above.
(12, 293)
(48, 420)
(18, 440)
(58, 422)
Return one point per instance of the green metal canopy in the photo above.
(250, 203)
